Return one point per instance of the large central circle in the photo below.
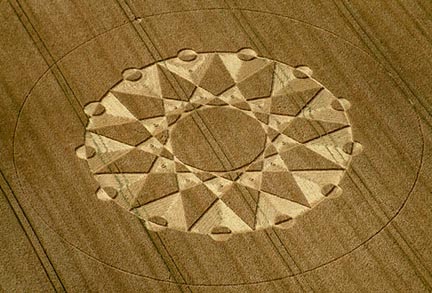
(217, 139)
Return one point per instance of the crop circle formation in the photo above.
(218, 143)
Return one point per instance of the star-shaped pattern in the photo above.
(131, 143)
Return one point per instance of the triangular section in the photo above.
(261, 105)
(242, 106)
(241, 70)
(348, 148)
(170, 208)
(259, 84)
(142, 107)
(196, 105)
(232, 63)
(310, 189)
(284, 105)
(217, 102)
(297, 88)
(264, 118)
(118, 181)
(323, 99)
(271, 207)
(279, 122)
(338, 138)
(173, 107)
(243, 201)
(168, 146)
(232, 96)
(283, 143)
(107, 150)
(272, 133)
(180, 168)
(304, 130)
(190, 107)
(201, 97)
(291, 103)
(135, 161)
(220, 215)
(204, 176)
(256, 166)
(105, 120)
(302, 158)
(217, 78)
(283, 74)
(283, 184)
(283, 221)
(274, 164)
(155, 125)
(192, 71)
(114, 107)
(191, 169)
(115, 113)
(167, 154)
(101, 160)
(251, 114)
(156, 186)
(175, 215)
(218, 185)
(196, 201)
(251, 179)
(174, 86)
(158, 207)
(325, 114)
(126, 195)
(163, 165)
(270, 151)
(162, 137)
(152, 146)
(148, 85)
(331, 153)
(104, 144)
(321, 178)
(171, 119)
(130, 133)
(187, 180)
(127, 185)
(231, 175)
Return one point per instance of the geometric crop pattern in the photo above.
(218, 143)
